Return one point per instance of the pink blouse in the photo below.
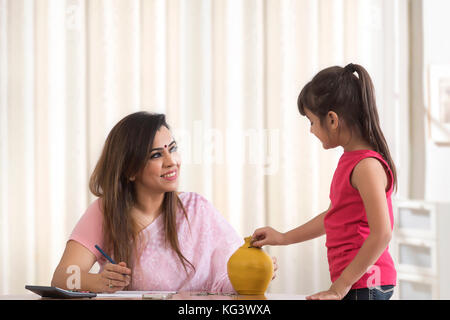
(207, 240)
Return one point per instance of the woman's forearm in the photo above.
(312, 229)
(76, 280)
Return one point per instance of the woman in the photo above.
(162, 239)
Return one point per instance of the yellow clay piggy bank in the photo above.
(250, 269)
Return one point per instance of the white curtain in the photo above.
(226, 73)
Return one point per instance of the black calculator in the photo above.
(55, 292)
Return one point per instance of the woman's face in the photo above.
(162, 170)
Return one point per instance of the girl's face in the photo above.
(162, 170)
(323, 133)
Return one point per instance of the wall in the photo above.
(430, 176)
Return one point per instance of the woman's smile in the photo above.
(171, 175)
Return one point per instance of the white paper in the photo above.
(131, 294)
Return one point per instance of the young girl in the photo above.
(358, 223)
(161, 239)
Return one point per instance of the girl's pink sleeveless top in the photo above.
(346, 224)
(206, 239)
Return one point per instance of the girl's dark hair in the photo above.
(352, 98)
(125, 154)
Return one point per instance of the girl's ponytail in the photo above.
(370, 123)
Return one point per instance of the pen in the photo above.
(105, 255)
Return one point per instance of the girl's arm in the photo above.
(312, 229)
(77, 261)
(369, 177)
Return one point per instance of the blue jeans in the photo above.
(375, 293)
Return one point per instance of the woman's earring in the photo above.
(132, 178)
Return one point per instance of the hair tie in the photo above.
(350, 68)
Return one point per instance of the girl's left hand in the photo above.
(325, 295)
(337, 291)
(275, 267)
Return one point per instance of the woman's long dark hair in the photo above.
(125, 153)
(352, 98)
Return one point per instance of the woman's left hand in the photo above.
(275, 267)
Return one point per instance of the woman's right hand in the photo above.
(114, 277)
(267, 236)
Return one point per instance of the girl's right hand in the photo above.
(114, 277)
(267, 236)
